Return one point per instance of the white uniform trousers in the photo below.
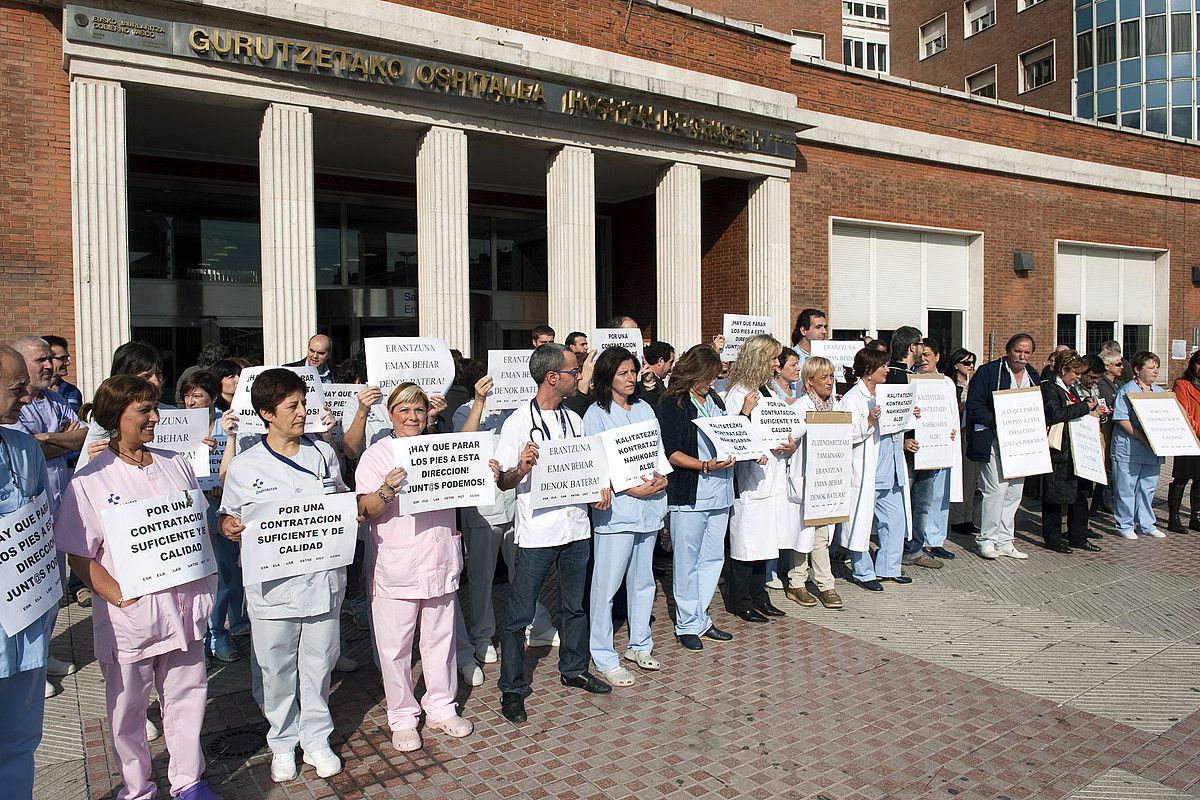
(1001, 499)
(299, 651)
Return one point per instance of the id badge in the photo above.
(328, 486)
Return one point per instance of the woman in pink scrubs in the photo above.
(413, 564)
(155, 640)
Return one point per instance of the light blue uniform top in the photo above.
(890, 465)
(627, 514)
(714, 491)
(22, 478)
(1125, 448)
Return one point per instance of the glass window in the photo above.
(1131, 71)
(1181, 5)
(1135, 338)
(328, 245)
(1155, 6)
(1132, 120)
(1083, 18)
(1037, 67)
(983, 84)
(480, 252)
(1085, 81)
(1181, 65)
(521, 257)
(1066, 330)
(1106, 44)
(1181, 121)
(1083, 50)
(1131, 98)
(1156, 94)
(1085, 106)
(382, 245)
(933, 37)
(1131, 39)
(1106, 76)
(980, 15)
(1156, 68)
(1156, 35)
(1106, 12)
(1156, 120)
(1098, 333)
(1106, 104)
(1131, 9)
(1181, 33)
(1181, 93)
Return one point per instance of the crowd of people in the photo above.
(715, 519)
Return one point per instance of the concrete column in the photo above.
(770, 274)
(443, 272)
(677, 234)
(99, 227)
(571, 241)
(286, 228)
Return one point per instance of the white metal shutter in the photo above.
(850, 277)
(1068, 273)
(1137, 281)
(946, 257)
(1101, 274)
(898, 279)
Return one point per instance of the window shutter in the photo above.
(898, 279)
(1101, 271)
(946, 271)
(1137, 280)
(1068, 274)
(850, 277)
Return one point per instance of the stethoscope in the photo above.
(539, 430)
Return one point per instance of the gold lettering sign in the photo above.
(641, 115)
(282, 53)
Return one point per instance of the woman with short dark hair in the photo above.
(870, 369)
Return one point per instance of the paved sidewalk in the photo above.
(1063, 676)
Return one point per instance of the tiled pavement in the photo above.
(1058, 677)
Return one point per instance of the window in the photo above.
(1097, 334)
(1135, 339)
(1156, 35)
(1106, 44)
(1083, 50)
(983, 84)
(1037, 67)
(1104, 293)
(875, 11)
(1024, 4)
(865, 54)
(808, 44)
(1066, 330)
(979, 15)
(1131, 39)
(933, 37)
(1181, 33)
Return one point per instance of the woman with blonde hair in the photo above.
(762, 516)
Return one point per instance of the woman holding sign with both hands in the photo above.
(412, 567)
(140, 642)
(1135, 467)
(1062, 486)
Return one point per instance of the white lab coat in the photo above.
(855, 533)
(763, 520)
(803, 541)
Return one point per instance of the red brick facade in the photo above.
(811, 16)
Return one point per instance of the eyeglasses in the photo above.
(970, 362)
(60, 358)
(574, 373)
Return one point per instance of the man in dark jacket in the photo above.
(1000, 497)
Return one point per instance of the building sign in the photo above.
(277, 52)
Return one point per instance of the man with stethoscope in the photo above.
(545, 537)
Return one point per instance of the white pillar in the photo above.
(286, 228)
(571, 241)
(443, 267)
(770, 274)
(677, 234)
(99, 227)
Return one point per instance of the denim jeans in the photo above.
(930, 509)
(533, 564)
(229, 600)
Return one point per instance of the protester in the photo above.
(660, 360)
(854, 535)
(228, 373)
(210, 354)
(541, 334)
(959, 368)
(60, 357)
(893, 504)
(811, 326)
(1135, 467)
(577, 343)
(320, 348)
(1186, 468)
(153, 641)
(1061, 486)
(931, 487)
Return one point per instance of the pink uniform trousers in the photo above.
(182, 683)
(395, 624)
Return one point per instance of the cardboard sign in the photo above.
(1164, 423)
(840, 353)
(159, 543)
(342, 401)
(1021, 432)
(776, 420)
(737, 328)
(568, 472)
(298, 536)
(828, 465)
(896, 402)
(512, 385)
(1087, 449)
(183, 430)
(30, 584)
(422, 360)
(447, 470)
(629, 338)
(213, 479)
(634, 452)
(939, 419)
(250, 423)
(733, 436)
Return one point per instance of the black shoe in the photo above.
(716, 634)
(766, 609)
(940, 552)
(750, 615)
(964, 528)
(1095, 535)
(586, 681)
(903, 580)
(871, 586)
(691, 641)
(1091, 548)
(1060, 547)
(512, 706)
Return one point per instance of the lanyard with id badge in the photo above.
(328, 484)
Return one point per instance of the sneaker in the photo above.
(50, 690)
(59, 668)
(152, 731)
(454, 726)
(326, 763)
(83, 596)
(1010, 550)
(344, 664)
(406, 740)
(283, 767)
(485, 653)
(471, 673)
(775, 583)
(1127, 534)
(544, 639)
(989, 551)
(224, 651)
(1154, 533)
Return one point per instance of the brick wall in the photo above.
(724, 252)
(813, 16)
(35, 176)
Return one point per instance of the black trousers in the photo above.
(746, 585)
(1077, 517)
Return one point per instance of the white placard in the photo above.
(1178, 349)
(183, 430)
(629, 338)
(213, 479)
(448, 470)
(1087, 449)
(422, 360)
(737, 328)
(159, 543)
(298, 536)
(840, 353)
(1165, 424)
(775, 420)
(633, 452)
(896, 402)
(733, 436)
(512, 385)
(29, 578)
(1021, 432)
(939, 419)
(249, 423)
(568, 471)
(828, 466)
(342, 401)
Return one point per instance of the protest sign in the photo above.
(633, 452)
(568, 471)
(183, 430)
(298, 536)
(737, 329)
(342, 401)
(938, 402)
(512, 385)
(776, 420)
(1021, 432)
(733, 436)
(249, 423)
(159, 543)
(422, 360)
(1164, 423)
(896, 404)
(1087, 449)
(213, 479)
(445, 471)
(604, 338)
(29, 578)
(827, 467)
(840, 353)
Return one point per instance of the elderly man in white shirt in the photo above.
(545, 537)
